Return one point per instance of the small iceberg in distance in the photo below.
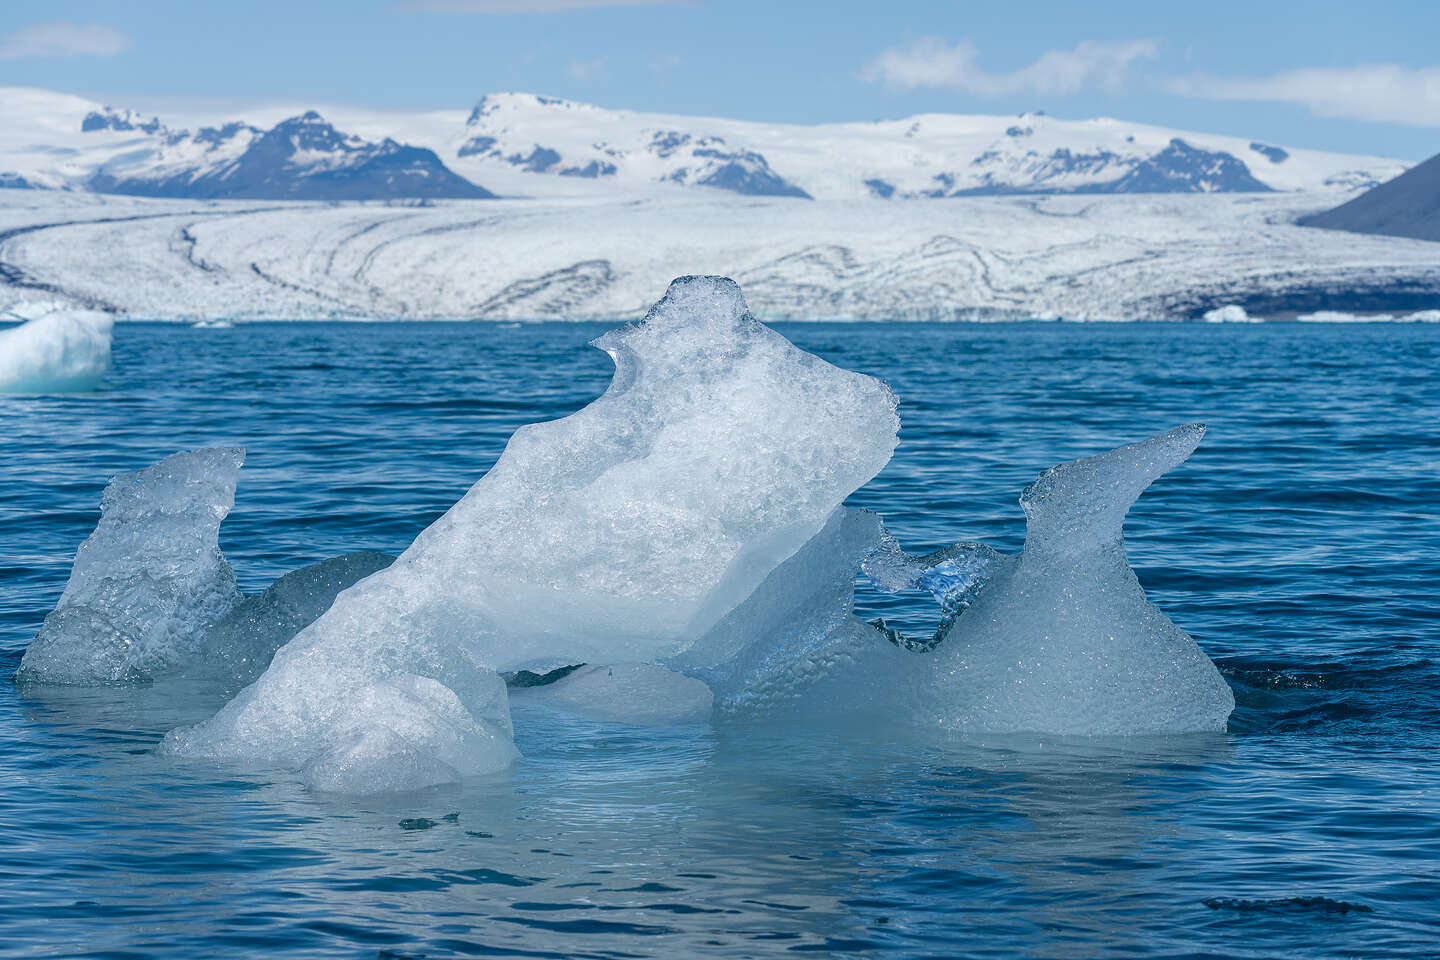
(56, 350)
(1230, 313)
(620, 535)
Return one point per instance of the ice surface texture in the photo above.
(148, 580)
(794, 628)
(1063, 640)
(1060, 639)
(59, 351)
(620, 534)
(239, 646)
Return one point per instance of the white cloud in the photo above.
(59, 38)
(666, 62)
(1383, 93)
(507, 7)
(932, 63)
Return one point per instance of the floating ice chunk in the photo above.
(1062, 639)
(58, 351)
(1230, 313)
(239, 646)
(619, 534)
(1340, 316)
(642, 693)
(148, 580)
(1059, 640)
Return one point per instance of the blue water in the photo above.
(1300, 546)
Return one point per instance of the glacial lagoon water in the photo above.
(1300, 545)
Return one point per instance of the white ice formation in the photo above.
(622, 534)
(148, 580)
(1059, 640)
(408, 732)
(239, 646)
(56, 350)
(1063, 639)
(1230, 313)
(1339, 316)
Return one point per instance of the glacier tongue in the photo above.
(56, 350)
(620, 534)
(148, 580)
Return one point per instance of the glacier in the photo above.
(55, 350)
(148, 580)
(1140, 257)
(622, 534)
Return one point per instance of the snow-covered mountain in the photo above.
(301, 158)
(927, 156)
(524, 145)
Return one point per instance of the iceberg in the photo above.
(1230, 313)
(622, 534)
(148, 580)
(1058, 640)
(56, 351)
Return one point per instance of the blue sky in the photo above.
(1327, 74)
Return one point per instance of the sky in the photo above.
(1331, 75)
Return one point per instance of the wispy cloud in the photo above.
(495, 8)
(666, 62)
(932, 63)
(60, 38)
(1382, 93)
(582, 70)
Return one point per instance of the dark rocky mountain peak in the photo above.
(301, 158)
(119, 120)
(1408, 206)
